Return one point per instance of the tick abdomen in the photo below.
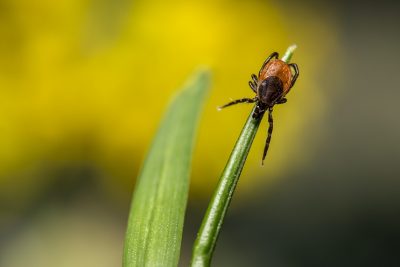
(279, 69)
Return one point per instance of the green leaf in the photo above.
(155, 224)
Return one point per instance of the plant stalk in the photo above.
(212, 222)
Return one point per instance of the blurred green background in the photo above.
(83, 85)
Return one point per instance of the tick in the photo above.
(274, 81)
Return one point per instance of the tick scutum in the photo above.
(270, 90)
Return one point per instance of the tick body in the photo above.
(274, 81)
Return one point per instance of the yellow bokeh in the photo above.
(88, 82)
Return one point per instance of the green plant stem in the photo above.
(212, 222)
(289, 53)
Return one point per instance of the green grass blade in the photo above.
(212, 222)
(155, 223)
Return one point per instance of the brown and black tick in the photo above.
(274, 81)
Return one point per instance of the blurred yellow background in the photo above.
(83, 85)
(88, 82)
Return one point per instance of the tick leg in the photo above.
(281, 101)
(243, 100)
(273, 55)
(253, 86)
(296, 73)
(255, 79)
(270, 128)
